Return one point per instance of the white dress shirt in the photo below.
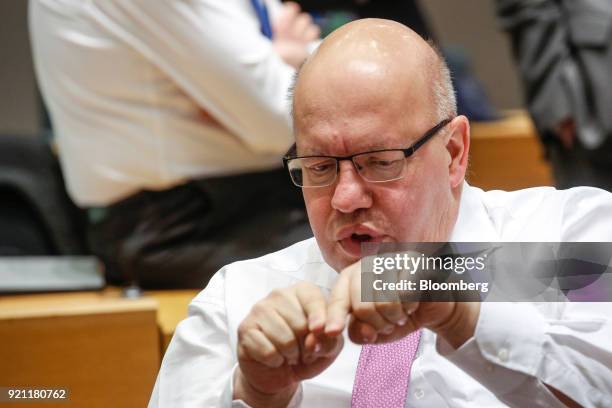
(133, 86)
(517, 347)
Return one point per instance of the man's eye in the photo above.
(320, 166)
(381, 164)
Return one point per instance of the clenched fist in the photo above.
(282, 342)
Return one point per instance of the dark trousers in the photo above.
(579, 166)
(179, 238)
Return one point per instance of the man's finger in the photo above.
(321, 345)
(366, 311)
(393, 312)
(339, 305)
(279, 333)
(300, 25)
(259, 348)
(287, 305)
(410, 307)
(312, 33)
(284, 20)
(314, 305)
(361, 333)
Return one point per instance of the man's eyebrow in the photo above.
(292, 151)
(307, 152)
(375, 147)
(315, 151)
(312, 153)
(366, 150)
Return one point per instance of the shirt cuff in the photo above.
(506, 350)
(228, 394)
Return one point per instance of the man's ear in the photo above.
(458, 147)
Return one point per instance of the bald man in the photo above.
(381, 156)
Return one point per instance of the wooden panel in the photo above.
(507, 155)
(105, 349)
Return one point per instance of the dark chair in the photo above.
(36, 215)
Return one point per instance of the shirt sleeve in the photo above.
(295, 402)
(519, 347)
(214, 51)
(197, 367)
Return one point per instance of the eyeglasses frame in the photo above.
(407, 153)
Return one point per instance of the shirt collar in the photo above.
(473, 221)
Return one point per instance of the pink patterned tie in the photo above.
(383, 373)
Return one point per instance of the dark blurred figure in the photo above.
(564, 52)
(406, 12)
(171, 119)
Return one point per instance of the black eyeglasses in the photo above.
(377, 166)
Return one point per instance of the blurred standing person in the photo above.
(564, 53)
(171, 119)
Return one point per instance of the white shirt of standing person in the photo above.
(147, 94)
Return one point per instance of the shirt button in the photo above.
(503, 354)
(419, 393)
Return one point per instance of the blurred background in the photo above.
(99, 337)
(39, 219)
(470, 25)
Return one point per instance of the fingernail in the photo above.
(331, 328)
(317, 348)
(388, 330)
(402, 321)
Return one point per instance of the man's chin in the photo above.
(343, 256)
(344, 259)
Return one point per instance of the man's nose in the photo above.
(351, 191)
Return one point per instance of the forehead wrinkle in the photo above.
(337, 145)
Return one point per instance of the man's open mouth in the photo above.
(360, 238)
(352, 243)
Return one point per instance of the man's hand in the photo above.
(381, 322)
(292, 32)
(280, 343)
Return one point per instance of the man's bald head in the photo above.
(380, 57)
(371, 39)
